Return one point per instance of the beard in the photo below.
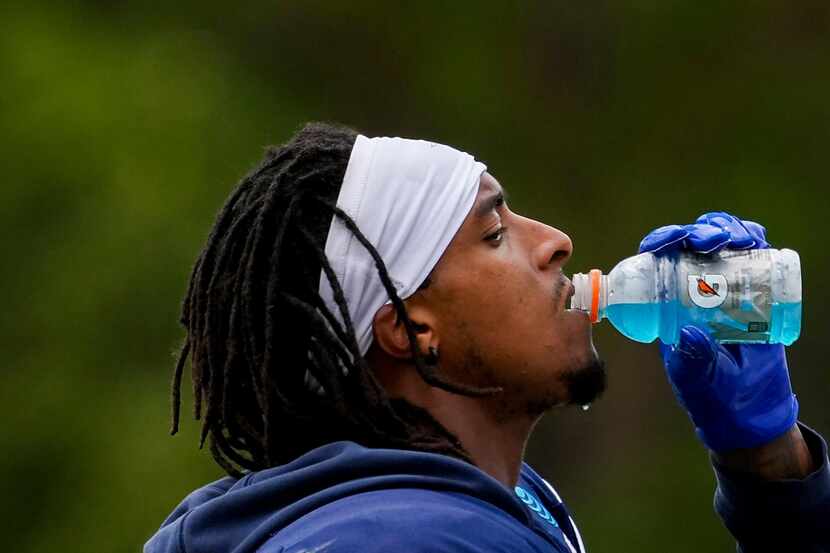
(587, 384)
(580, 384)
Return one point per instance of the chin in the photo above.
(586, 384)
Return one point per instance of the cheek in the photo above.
(507, 319)
(493, 296)
(478, 304)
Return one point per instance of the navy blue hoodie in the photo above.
(343, 497)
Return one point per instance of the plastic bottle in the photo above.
(737, 295)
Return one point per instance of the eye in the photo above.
(497, 236)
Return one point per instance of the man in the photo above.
(374, 335)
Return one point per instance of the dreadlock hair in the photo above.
(256, 323)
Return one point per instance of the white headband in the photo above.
(408, 198)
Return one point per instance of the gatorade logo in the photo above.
(707, 291)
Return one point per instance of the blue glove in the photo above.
(737, 395)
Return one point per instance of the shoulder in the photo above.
(412, 520)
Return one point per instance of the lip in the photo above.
(569, 295)
(571, 290)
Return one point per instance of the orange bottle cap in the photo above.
(594, 275)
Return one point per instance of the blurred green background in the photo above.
(125, 125)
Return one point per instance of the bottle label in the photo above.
(731, 293)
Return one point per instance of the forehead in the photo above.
(489, 191)
(488, 184)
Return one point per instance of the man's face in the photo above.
(500, 299)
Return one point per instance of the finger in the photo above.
(758, 232)
(692, 359)
(664, 239)
(705, 238)
(740, 238)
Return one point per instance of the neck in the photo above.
(495, 443)
(493, 436)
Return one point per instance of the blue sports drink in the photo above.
(739, 296)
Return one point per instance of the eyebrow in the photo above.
(488, 204)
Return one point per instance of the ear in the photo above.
(390, 332)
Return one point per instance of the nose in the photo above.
(552, 249)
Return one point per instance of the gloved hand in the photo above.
(737, 395)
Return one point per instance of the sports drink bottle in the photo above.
(739, 296)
